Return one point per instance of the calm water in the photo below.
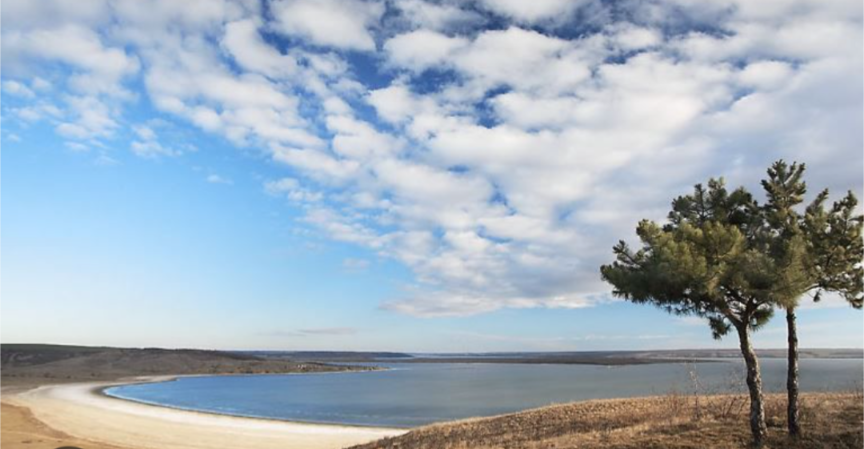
(415, 394)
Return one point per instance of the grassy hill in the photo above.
(25, 363)
(672, 421)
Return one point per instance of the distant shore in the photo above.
(81, 412)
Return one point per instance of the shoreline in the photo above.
(72, 409)
(101, 391)
(78, 414)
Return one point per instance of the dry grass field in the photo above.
(672, 421)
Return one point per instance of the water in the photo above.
(409, 395)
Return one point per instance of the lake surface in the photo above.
(409, 395)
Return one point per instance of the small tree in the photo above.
(833, 254)
(714, 259)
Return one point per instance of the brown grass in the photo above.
(858, 392)
(829, 420)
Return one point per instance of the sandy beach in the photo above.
(79, 411)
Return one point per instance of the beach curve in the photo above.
(74, 408)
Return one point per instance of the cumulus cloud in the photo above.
(243, 41)
(421, 49)
(533, 11)
(292, 189)
(437, 16)
(341, 24)
(147, 146)
(17, 89)
(216, 179)
(498, 163)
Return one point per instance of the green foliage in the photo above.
(836, 248)
(727, 258)
(710, 260)
(823, 247)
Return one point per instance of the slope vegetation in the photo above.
(35, 364)
(672, 421)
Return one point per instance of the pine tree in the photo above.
(832, 260)
(715, 259)
(785, 190)
(724, 257)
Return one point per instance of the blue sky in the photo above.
(412, 176)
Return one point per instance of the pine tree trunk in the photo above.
(792, 375)
(754, 384)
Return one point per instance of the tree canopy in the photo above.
(715, 258)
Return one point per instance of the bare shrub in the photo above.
(674, 404)
(697, 391)
(732, 404)
(775, 412)
(605, 434)
(805, 409)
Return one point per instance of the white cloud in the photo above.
(40, 84)
(151, 149)
(145, 132)
(77, 147)
(38, 111)
(436, 16)
(17, 89)
(532, 11)
(336, 23)
(766, 75)
(92, 118)
(101, 67)
(502, 177)
(243, 41)
(292, 189)
(147, 146)
(358, 140)
(281, 186)
(421, 49)
(53, 13)
(522, 59)
(396, 104)
(216, 179)
(630, 38)
(317, 164)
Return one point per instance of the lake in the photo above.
(409, 395)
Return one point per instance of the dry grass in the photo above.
(858, 392)
(671, 421)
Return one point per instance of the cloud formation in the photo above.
(497, 149)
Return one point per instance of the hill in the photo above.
(22, 363)
(331, 356)
(672, 421)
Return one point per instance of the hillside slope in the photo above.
(674, 421)
(52, 363)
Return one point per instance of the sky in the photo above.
(417, 175)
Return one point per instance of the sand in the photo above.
(78, 412)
